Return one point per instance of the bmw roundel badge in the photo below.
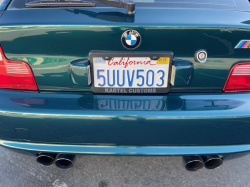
(131, 39)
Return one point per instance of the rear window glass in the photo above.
(206, 4)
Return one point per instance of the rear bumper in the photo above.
(84, 123)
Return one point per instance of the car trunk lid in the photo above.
(50, 39)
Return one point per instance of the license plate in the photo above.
(132, 73)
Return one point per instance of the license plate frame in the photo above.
(151, 55)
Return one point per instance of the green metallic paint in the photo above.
(182, 73)
(49, 45)
(90, 119)
(79, 72)
(82, 122)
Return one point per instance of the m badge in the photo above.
(243, 44)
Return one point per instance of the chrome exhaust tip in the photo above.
(193, 163)
(64, 161)
(212, 161)
(46, 159)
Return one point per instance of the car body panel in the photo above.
(85, 118)
(65, 116)
(49, 45)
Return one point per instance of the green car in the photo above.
(117, 77)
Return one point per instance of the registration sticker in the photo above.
(163, 60)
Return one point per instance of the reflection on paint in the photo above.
(126, 103)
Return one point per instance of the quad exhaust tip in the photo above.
(212, 161)
(194, 163)
(46, 159)
(65, 161)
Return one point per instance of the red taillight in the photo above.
(15, 74)
(239, 78)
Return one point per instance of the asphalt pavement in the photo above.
(22, 170)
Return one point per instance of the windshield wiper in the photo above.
(127, 4)
(59, 3)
